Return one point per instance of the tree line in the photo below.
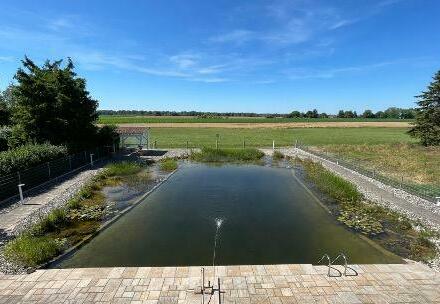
(390, 113)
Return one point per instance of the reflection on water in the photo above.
(268, 218)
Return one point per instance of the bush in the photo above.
(5, 134)
(168, 164)
(31, 251)
(123, 168)
(227, 155)
(29, 156)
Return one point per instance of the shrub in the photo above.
(29, 156)
(168, 164)
(227, 155)
(123, 168)
(31, 251)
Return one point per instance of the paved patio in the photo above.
(403, 283)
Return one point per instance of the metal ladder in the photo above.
(339, 273)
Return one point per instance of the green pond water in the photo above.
(269, 217)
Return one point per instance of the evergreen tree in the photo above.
(427, 125)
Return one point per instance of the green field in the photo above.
(117, 119)
(263, 137)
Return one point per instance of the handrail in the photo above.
(326, 256)
(343, 256)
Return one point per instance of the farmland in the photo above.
(128, 119)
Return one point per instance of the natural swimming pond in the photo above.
(269, 217)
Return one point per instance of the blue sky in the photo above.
(231, 55)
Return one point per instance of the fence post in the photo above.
(187, 146)
(296, 143)
(244, 143)
(70, 162)
(19, 177)
(20, 191)
(48, 168)
(91, 159)
(85, 155)
(273, 145)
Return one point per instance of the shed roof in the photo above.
(131, 130)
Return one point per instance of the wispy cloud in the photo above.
(307, 73)
(237, 36)
(6, 58)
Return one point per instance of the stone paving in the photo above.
(271, 284)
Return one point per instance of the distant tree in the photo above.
(341, 114)
(312, 114)
(350, 114)
(427, 125)
(368, 114)
(408, 114)
(53, 105)
(323, 115)
(379, 114)
(392, 112)
(295, 114)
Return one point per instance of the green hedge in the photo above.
(28, 156)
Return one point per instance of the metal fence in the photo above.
(428, 192)
(34, 177)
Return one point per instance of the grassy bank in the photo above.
(213, 155)
(263, 137)
(65, 227)
(391, 230)
(410, 161)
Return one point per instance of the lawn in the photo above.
(122, 119)
(263, 137)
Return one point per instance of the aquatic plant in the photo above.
(334, 186)
(123, 168)
(29, 250)
(168, 164)
(227, 155)
(390, 229)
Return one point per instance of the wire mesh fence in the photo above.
(34, 177)
(426, 191)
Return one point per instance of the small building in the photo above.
(133, 137)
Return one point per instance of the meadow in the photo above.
(263, 137)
